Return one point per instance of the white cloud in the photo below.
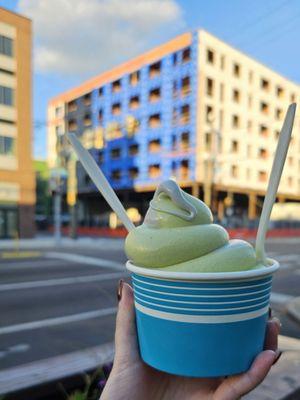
(88, 36)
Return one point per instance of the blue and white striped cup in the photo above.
(201, 324)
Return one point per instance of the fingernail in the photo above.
(279, 353)
(120, 288)
(270, 312)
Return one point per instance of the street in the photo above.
(65, 299)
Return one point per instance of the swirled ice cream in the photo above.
(178, 234)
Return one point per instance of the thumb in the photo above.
(126, 346)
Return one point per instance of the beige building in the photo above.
(241, 106)
(216, 117)
(17, 182)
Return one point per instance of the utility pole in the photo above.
(72, 194)
(210, 164)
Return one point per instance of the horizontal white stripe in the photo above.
(199, 309)
(97, 262)
(200, 288)
(201, 319)
(202, 302)
(203, 295)
(62, 281)
(57, 321)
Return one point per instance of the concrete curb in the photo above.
(293, 308)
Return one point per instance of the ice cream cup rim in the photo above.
(205, 276)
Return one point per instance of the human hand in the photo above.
(132, 379)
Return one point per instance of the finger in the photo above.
(126, 348)
(236, 386)
(272, 331)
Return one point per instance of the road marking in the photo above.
(20, 254)
(98, 262)
(17, 348)
(280, 298)
(61, 281)
(44, 323)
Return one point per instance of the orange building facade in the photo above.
(17, 179)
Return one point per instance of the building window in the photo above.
(133, 149)
(100, 157)
(234, 146)
(133, 172)
(186, 55)
(116, 86)
(264, 108)
(116, 175)
(115, 153)
(222, 62)
(249, 151)
(185, 86)
(7, 145)
(264, 131)
(293, 98)
(100, 116)
(236, 70)
(87, 120)
(116, 109)
(249, 126)
(175, 92)
(154, 95)
(134, 78)
(185, 141)
(154, 69)
(264, 84)
(154, 121)
(221, 119)
(279, 91)
(221, 91)
(154, 146)
(209, 114)
(101, 91)
(249, 101)
(262, 153)
(290, 161)
(235, 121)
(184, 169)
(173, 145)
(208, 142)
(175, 58)
(290, 181)
(234, 171)
(134, 102)
(209, 87)
(250, 76)
(277, 133)
(236, 95)
(72, 125)
(87, 99)
(72, 106)
(6, 96)
(58, 112)
(278, 113)
(262, 176)
(185, 114)
(6, 46)
(210, 56)
(154, 171)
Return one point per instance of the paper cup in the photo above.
(201, 324)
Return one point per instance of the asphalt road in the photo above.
(59, 303)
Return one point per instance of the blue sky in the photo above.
(76, 39)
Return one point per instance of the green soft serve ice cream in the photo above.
(178, 234)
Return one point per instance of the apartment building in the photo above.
(17, 182)
(193, 108)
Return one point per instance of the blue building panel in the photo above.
(163, 105)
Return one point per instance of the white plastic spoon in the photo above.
(100, 181)
(277, 167)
